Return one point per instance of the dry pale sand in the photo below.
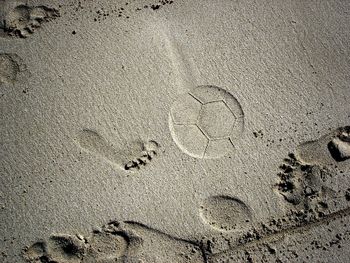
(174, 131)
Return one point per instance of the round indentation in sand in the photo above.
(225, 213)
(206, 122)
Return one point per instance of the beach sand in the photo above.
(174, 131)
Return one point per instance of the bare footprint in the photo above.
(225, 213)
(66, 248)
(131, 158)
(100, 247)
(22, 20)
(59, 248)
(331, 148)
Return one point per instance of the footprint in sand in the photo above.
(101, 247)
(305, 176)
(225, 213)
(132, 158)
(206, 122)
(11, 65)
(22, 20)
(331, 148)
(115, 242)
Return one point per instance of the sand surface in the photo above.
(174, 131)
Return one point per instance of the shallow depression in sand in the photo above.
(225, 213)
(9, 68)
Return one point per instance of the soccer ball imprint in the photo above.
(206, 122)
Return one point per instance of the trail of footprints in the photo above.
(305, 181)
(115, 242)
(304, 184)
